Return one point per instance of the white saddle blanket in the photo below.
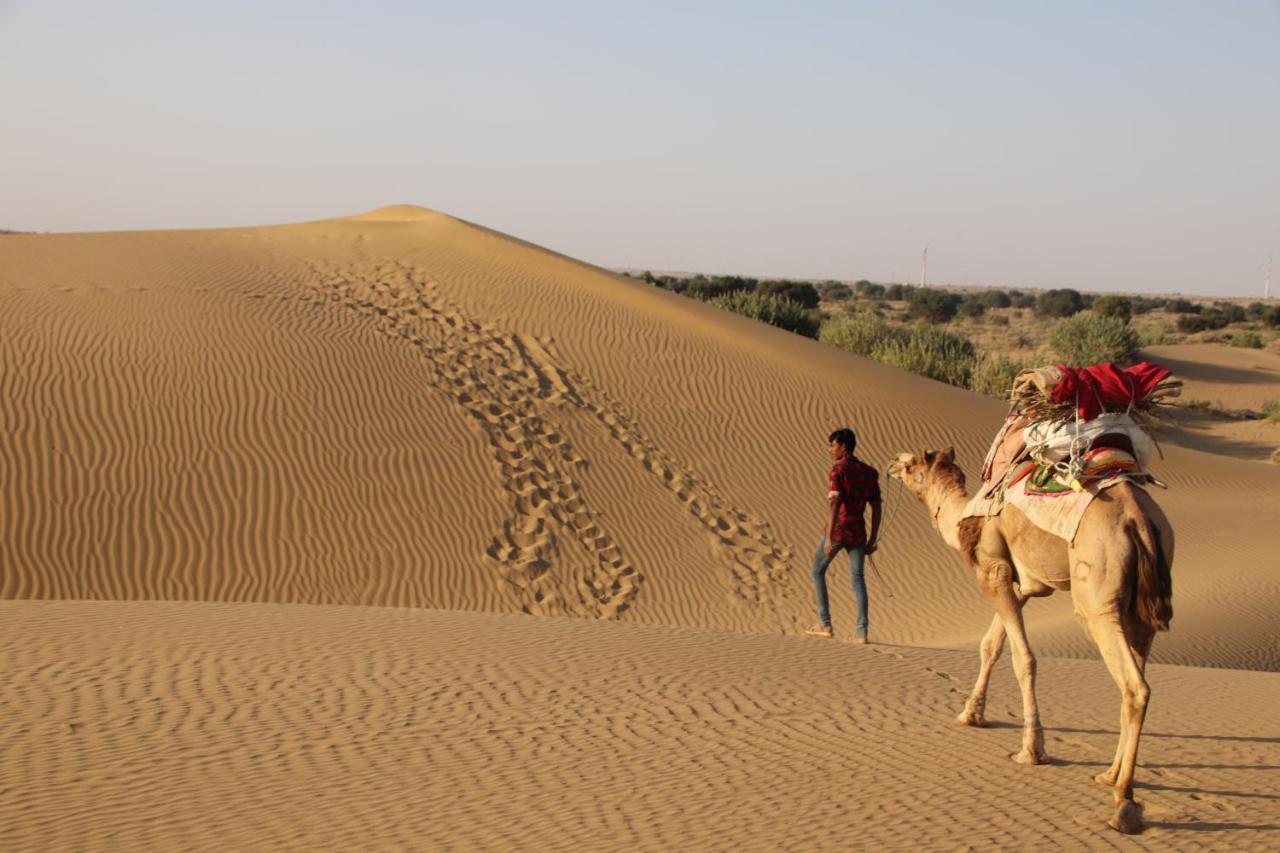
(1050, 442)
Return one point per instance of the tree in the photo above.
(834, 291)
(936, 306)
(1061, 302)
(869, 289)
(971, 307)
(705, 288)
(995, 299)
(1192, 323)
(1233, 311)
(1110, 305)
(802, 293)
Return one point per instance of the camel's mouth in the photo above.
(898, 467)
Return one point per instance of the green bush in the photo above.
(932, 353)
(1147, 304)
(1157, 337)
(898, 292)
(936, 306)
(860, 335)
(1022, 300)
(995, 299)
(783, 313)
(971, 307)
(1271, 315)
(1249, 339)
(801, 292)
(993, 375)
(834, 291)
(1192, 323)
(1110, 305)
(1271, 408)
(1089, 339)
(1182, 306)
(1216, 318)
(1233, 312)
(707, 288)
(1062, 302)
(869, 289)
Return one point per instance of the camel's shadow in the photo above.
(1000, 724)
(1196, 826)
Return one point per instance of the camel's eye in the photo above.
(919, 478)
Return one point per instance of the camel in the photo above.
(1118, 572)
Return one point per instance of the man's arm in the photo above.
(875, 527)
(832, 518)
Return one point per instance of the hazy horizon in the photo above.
(1127, 148)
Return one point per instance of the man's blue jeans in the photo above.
(857, 555)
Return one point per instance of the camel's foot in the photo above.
(971, 717)
(1127, 819)
(1107, 779)
(1030, 756)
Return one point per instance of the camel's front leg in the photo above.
(1009, 607)
(992, 644)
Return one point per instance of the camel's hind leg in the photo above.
(1126, 668)
(1140, 638)
(974, 713)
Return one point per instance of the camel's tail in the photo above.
(1154, 598)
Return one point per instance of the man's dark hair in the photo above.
(845, 437)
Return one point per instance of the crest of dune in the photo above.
(396, 213)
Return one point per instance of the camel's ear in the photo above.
(925, 456)
(947, 456)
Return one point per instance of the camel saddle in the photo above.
(1033, 478)
(1100, 463)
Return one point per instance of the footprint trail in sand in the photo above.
(511, 385)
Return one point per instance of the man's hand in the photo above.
(870, 548)
(831, 549)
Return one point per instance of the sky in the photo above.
(1129, 146)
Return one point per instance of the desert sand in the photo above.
(293, 517)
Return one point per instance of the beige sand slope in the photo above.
(1226, 379)
(404, 409)
(183, 726)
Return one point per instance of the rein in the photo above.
(871, 558)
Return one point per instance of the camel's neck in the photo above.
(946, 502)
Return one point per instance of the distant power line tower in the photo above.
(1266, 281)
(924, 265)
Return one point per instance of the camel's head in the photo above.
(916, 470)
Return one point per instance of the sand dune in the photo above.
(403, 409)
(199, 726)
(1220, 379)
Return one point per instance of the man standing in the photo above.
(852, 485)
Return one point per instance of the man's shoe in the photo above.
(859, 639)
(823, 631)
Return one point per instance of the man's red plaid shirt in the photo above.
(854, 484)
